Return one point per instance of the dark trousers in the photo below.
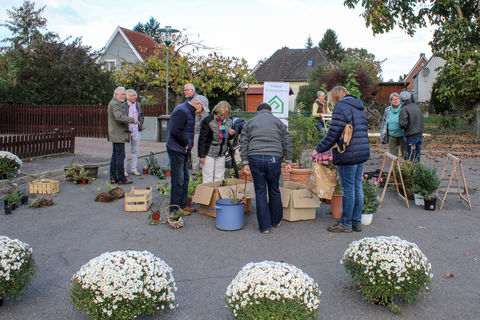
(117, 171)
(266, 176)
(179, 179)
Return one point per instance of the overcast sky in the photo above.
(252, 29)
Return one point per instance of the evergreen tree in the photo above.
(331, 46)
(151, 27)
(309, 43)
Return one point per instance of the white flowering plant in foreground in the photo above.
(273, 290)
(123, 285)
(9, 165)
(17, 267)
(385, 267)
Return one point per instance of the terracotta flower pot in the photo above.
(145, 171)
(189, 202)
(336, 206)
(167, 173)
(300, 175)
(84, 181)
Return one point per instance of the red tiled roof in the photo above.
(143, 43)
(255, 90)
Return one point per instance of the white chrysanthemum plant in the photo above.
(17, 267)
(273, 290)
(123, 285)
(387, 267)
(10, 164)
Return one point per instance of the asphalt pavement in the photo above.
(205, 259)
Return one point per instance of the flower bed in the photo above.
(385, 267)
(17, 267)
(273, 290)
(9, 165)
(123, 285)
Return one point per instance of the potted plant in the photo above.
(324, 175)
(123, 285)
(145, 170)
(154, 215)
(305, 137)
(192, 185)
(80, 175)
(337, 201)
(10, 164)
(17, 268)
(174, 217)
(370, 201)
(152, 162)
(167, 171)
(425, 183)
(385, 267)
(11, 199)
(71, 171)
(408, 171)
(273, 290)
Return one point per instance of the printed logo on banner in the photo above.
(277, 104)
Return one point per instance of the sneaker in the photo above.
(135, 173)
(265, 231)
(126, 174)
(357, 228)
(339, 227)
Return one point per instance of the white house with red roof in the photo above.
(128, 46)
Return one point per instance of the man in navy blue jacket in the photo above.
(348, 110)
(179, 145)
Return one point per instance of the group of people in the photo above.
(402, 127)
(264, 144)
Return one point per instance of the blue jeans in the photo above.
(352, 190)
(179, 179)
(266, 176)
(414, 147)
(117, 171)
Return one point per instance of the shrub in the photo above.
(370, 189)
(273, 290)
(17, 267)
(123, 285)
(385, 267)
(10, 164)
(425, 181)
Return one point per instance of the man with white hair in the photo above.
(189, 91)
(134, 111)
(179, 145)
(118, 134)
(411, 121)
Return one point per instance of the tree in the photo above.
(331, 46)
(456, 40)
(309, 43)
(151, 27)
(25, 24)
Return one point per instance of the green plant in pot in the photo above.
(11, 200)
(370, 196)
(304, 135)
(425, 183)
(408, 171)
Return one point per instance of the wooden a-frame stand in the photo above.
(393, 163)
(456, 162)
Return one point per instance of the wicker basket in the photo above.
(177, 224)
(44, 186)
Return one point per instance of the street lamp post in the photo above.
(168, 41)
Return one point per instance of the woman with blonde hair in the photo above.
(348, 110)
(215, 129)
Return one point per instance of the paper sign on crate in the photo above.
(138, 200)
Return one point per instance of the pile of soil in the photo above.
(115, 193)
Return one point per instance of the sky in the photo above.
(250, 29)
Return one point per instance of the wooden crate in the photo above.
(44, 186)
(138, 200)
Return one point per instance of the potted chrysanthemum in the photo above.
(387, 267)
(17, 267)
(273, 290)
(10, 164)
(123, 285)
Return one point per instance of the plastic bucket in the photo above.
(230, 216)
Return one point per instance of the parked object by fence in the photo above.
(39, 144)
(88, 120)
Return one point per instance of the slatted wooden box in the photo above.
(138, 200)
(44, 186)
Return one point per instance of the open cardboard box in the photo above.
(207, 193)
(298, 202)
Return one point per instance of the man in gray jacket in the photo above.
(264, 141)
(411, 121)
(118, 134)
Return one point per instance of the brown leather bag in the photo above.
(346, 137)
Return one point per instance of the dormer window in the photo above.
(310, 63)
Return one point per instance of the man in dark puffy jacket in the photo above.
(411, 120)
(348, 110)
(179, 145)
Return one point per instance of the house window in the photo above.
(310, 63)
(110, 65)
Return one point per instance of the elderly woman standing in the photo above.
(391, 132)
(348, 110)
(215, 129)
(134, 111)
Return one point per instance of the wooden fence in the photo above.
(88, 120)
(39, 144)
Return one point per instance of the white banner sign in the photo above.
(276, 95)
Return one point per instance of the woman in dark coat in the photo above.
(348, 110)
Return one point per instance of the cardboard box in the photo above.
(207, 193)
(298, 202)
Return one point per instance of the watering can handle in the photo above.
(217, 207)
